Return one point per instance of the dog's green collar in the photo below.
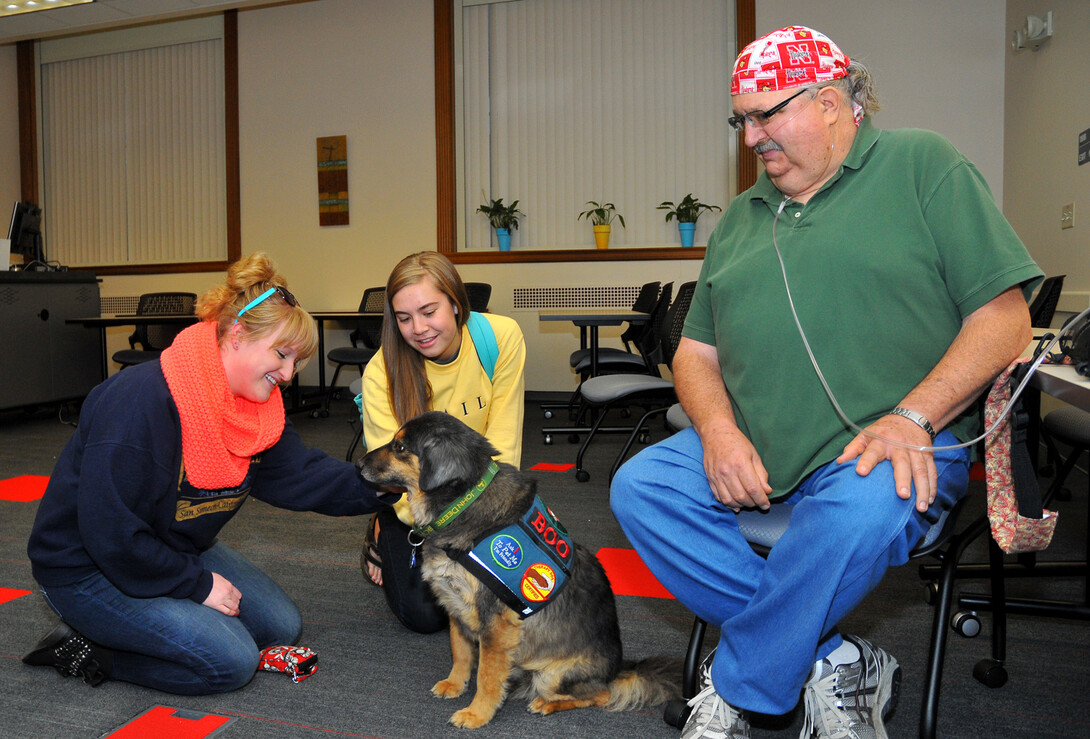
(456, 508)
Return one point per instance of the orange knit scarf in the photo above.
(220, 432)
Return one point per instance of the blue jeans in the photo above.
(180, 646)
(778, 615)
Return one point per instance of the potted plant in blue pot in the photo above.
(503, 218)
(687, 211)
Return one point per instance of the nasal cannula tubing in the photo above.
(896, 442)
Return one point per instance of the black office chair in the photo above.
(943, 541)
(479, 294)
(612, 360)
(153, 338)
(645, 302)
(366, 339)
(652, 392)
(1043, 307)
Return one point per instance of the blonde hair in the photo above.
(406, 374)
(247, 279)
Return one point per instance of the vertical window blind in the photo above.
(566, 101)
(133, 156)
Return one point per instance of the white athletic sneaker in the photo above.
(712, 717)
(851, 701)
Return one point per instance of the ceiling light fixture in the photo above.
(15, 7)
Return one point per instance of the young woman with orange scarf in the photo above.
(124, 544)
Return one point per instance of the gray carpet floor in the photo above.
(374, 676)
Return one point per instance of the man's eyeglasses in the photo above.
(759, 118)
(281, 291)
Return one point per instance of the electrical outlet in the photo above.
(1067, 216)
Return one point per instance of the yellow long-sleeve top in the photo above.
(462, 389)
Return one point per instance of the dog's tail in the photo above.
(645, 683)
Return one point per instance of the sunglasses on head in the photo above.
(282, 291)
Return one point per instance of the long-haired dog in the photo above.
(565, 655)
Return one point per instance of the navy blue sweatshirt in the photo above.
(118, 501)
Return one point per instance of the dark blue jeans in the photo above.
(180, 646)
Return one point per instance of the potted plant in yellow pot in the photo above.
(687, 211)
(503, 218)
(601, 216)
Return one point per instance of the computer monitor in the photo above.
(25, 233)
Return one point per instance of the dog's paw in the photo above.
(448, 689)
(541, 706)
(467, 718)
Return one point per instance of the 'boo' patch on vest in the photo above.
(525, 564)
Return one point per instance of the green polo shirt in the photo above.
(884, 263)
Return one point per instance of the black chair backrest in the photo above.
(369, 329)
(158, 336)
(479, 294)
(650, 341)
(644, 303)
(1043, 307)
(675, 321)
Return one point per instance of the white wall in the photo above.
(1047, 107)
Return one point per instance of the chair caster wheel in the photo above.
(990, 672)
(644, 438)
(548, 439)
(967, 623)
(676, 713)
(582, 475)
(626, 413)
(573, 438)
(314, 414)
(548, 414)
(931, 593)
(325, 414)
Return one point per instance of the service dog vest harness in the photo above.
(526, 564)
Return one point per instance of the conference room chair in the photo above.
(153, 338)
(479, 294)
(652, 392)
(642, 337)
(366, 339)
(1043, 307)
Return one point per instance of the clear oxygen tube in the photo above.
(895, 442)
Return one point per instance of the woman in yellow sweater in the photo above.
(430, 361)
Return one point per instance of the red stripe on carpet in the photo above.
(23, 488)
(549, 467)
(7, 594)
(628, 575)
(164, 722)
(976, 471)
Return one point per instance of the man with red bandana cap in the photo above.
(851, 306)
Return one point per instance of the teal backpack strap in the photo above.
(484, 339)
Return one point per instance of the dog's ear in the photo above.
(445, 462)
(451, 454)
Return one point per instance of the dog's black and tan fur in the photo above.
(567, 655)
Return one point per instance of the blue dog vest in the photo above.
(525, 564)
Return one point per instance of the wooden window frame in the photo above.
(28, 155)
(446, 166)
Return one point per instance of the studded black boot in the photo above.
(72, 655)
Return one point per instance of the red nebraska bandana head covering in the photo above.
(795, 56)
